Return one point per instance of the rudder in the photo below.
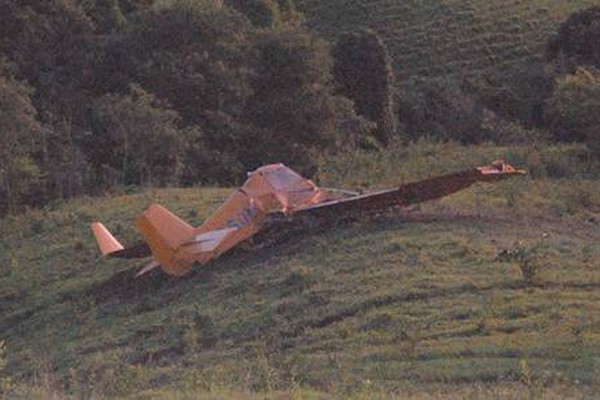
(165, 233)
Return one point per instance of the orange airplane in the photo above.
(270, 193)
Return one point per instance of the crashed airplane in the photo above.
(272, 192)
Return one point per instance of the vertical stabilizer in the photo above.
(165, 233)
(174, 230)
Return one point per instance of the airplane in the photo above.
(272, 193)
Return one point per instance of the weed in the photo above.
(533, 383)
(528, 258)
(7, 384)
(265, 370)
(203, 329)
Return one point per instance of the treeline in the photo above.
(102, 93)
(140, 92)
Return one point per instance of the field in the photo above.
(492, 291)
(449, 38)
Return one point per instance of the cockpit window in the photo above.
(286, 180)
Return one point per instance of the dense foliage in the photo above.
(363, 72)
(102, 93)
(18, 172)
(578, 39)
(575, 107)
(97, 94)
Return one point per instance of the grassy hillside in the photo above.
(448, 37)
(428, 303)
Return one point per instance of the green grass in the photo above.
(420, 304)
(448, 37)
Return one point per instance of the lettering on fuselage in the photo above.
(243, 218)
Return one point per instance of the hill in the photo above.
(428, 302)
(457, 38)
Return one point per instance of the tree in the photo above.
(574, 109)
(262, 13)
(134, 140)
(363, 73)
(18, 129)
(50, 42)
(267, 13)
(578, 40)
(194, 56)
(291, 114)
(441, 110)
(517, 93)
(51, 45)
(108, 15)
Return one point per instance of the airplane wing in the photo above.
(414, 192)
(110, 247)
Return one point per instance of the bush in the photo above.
(291, 116)
(6, 383)
(526, 257)
(363, 73)
(517, 93)
(440, 110)
(19, 174)
(134, 140)
(574, 108)
(578, 40)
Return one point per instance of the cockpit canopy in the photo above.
(277, 187)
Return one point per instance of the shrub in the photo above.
(578, 40)
(19, 131)
(574, 109)
(439, 109)
(291, 115)
(363, 73)
(136, 139)
(526, 257)
(6, 383)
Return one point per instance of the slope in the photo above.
(429, 299)
(440, 38)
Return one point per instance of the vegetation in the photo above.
(157, 93)
(363, 73)
(451, 38)
(578, 39)
(178, 92)
(471, 70)
(414, 305)
(488, 293)
(19, 130)
(291, 108)
(574, 107)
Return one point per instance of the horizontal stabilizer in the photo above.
(106, 241)
(209, 241)
(139, 250)
(110, 247)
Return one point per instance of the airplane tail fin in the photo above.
(165, 233)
